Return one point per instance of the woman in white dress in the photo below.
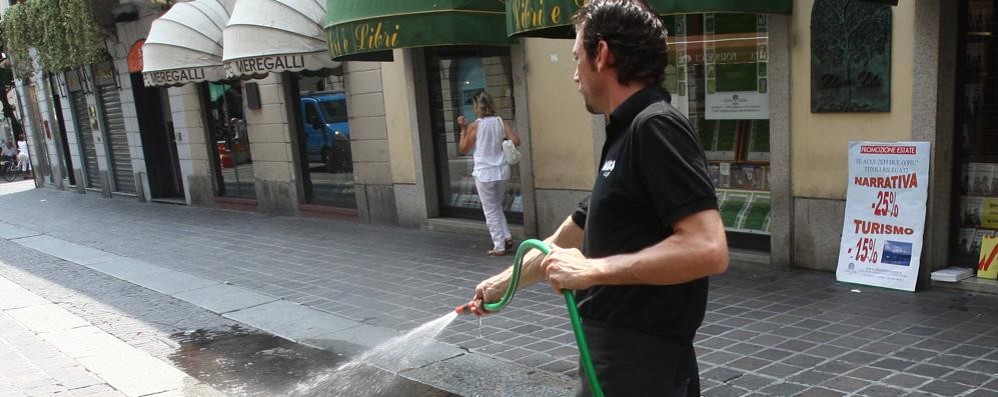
(491, 171)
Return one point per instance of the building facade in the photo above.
(372, 136)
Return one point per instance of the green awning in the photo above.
(553, 18)
(370, 29)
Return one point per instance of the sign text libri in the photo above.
(363, 37)
(532, 14)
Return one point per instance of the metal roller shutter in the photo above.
(117, 138)
(82, 117)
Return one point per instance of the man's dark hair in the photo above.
(634, 33)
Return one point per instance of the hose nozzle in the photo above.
(463, 309)
(466, 309)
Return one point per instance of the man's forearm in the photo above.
(568, 235)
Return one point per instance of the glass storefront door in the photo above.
(324, 140)
(976, 141)
(715, 59)
(454, 75)
(230, 139)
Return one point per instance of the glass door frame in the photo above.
(439, 152)
(204, 96)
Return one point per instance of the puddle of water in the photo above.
(359, 378)
(240, 362)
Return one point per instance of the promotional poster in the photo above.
(885, 214)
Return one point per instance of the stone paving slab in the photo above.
(221, 298)
(46, 317)
(64, 250)
(170, 282)
(126, 269)
(21, 376)
(361, 337)
(13, 232)
(765, 332)
(291, 320)
(14, 296)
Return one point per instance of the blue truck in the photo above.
(327, 133)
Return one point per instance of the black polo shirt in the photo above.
(652, 173)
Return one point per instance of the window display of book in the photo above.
(745, 211)
(977, 139)
(978, 210)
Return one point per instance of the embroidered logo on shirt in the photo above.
(608, 167)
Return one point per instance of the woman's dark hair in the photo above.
(486, 106)
(633, 31)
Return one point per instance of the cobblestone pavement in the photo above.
(765, 333)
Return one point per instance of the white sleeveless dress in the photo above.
(489, 163)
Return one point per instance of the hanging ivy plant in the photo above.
(16, 29)
(51, 42)
(82, 34)
(63, 32)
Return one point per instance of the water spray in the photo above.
(573, 312)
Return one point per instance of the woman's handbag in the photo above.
(509, 152)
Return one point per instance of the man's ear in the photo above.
(604, 58)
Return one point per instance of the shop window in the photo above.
(455, 75)
(324, 141)
(230, 140)
(976, 145)
(718, 76)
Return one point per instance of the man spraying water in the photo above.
(637, 252)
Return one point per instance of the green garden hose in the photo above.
(573, 312)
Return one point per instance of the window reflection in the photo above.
(455, 75)
(231, 143)
(324, 136)
(718, 76)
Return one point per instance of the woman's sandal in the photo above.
(496, 253)
(509, 244)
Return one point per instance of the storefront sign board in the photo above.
(135, 57)
(885, 214)
(174, 77)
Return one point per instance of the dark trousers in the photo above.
(630, 363)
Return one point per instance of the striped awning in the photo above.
(272, 36)
(185, 44)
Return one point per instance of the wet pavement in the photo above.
(242, 362)
(765, 333)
